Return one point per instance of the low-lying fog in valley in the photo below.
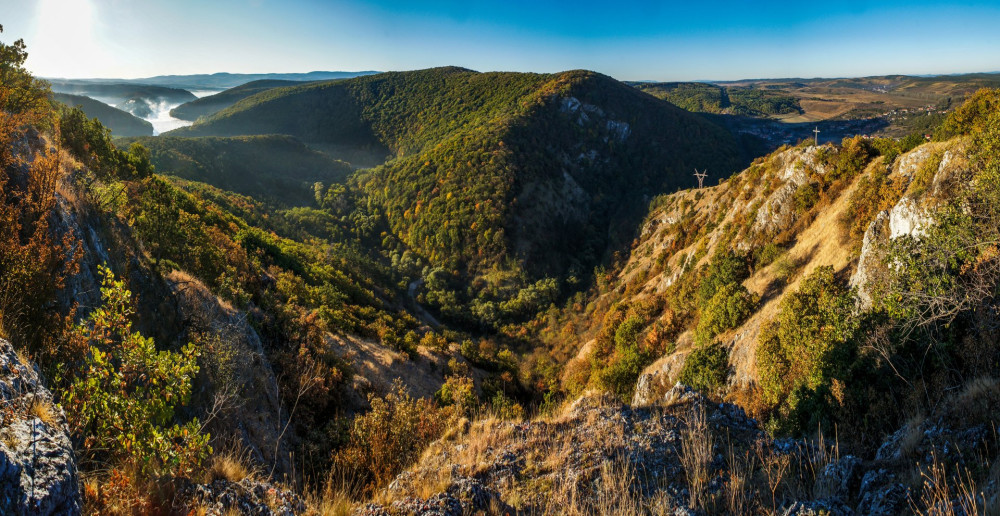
(161, 119)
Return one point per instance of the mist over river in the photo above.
(161, 119)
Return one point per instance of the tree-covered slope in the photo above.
(711, 98)
(550, 173)
(120, 122)
(538, 176)
(212, 104)
(266, 167)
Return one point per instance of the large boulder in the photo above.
(38, 473)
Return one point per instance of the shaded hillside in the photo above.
(141, 100)
(120, 122)
(266, 167)
(212, 104)
(527, 175)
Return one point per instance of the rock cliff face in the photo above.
(763, 205)
(746, 212)
(38, 474)
(910, 214)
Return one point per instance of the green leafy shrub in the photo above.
(767, 254)
(121, 403)
(623, 370)
(706, 368)
(805, 197)
(971, 116)
(924, 177)
(727, 267)
(20, 92)
(91, 143)
(460, 392)
(728, 308)
(503, 407)
(806, 347)
(855, 154)
(874, 193)
(627, 333)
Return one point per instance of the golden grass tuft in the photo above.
(334, 498)
(229, 466)
(44, 411)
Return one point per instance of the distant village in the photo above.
(777, 133)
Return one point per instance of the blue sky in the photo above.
(629, 40)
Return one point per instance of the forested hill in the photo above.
(408, 111)
(271, 168)
(121, 123)
(533, 176)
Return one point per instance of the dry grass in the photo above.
(330, 504)
(942, 494)
(738, 493)
(775, 468)
(696, 455)
(200, 510)
(977, 402)
(437, 483)
(9, 439)
(612, 494)
(44, 411)
(120, 492)
(334, 498)
(909, 443)
(231, 466)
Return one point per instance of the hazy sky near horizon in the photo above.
(629, 40)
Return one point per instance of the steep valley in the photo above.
(450, 292)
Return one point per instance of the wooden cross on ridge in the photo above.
(701, 177)
(816, 130)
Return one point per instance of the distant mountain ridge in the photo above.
(141, 100)
(212, 104)
(222, 80)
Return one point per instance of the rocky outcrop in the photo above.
(530, 464)
(601, 453)
(794, 168)
(248, 496)
(236, 377)
(38, 474)
(463, 496)
(909, 217)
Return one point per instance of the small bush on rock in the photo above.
(121, 403)
(706, 368)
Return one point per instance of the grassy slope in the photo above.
(120, 122)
